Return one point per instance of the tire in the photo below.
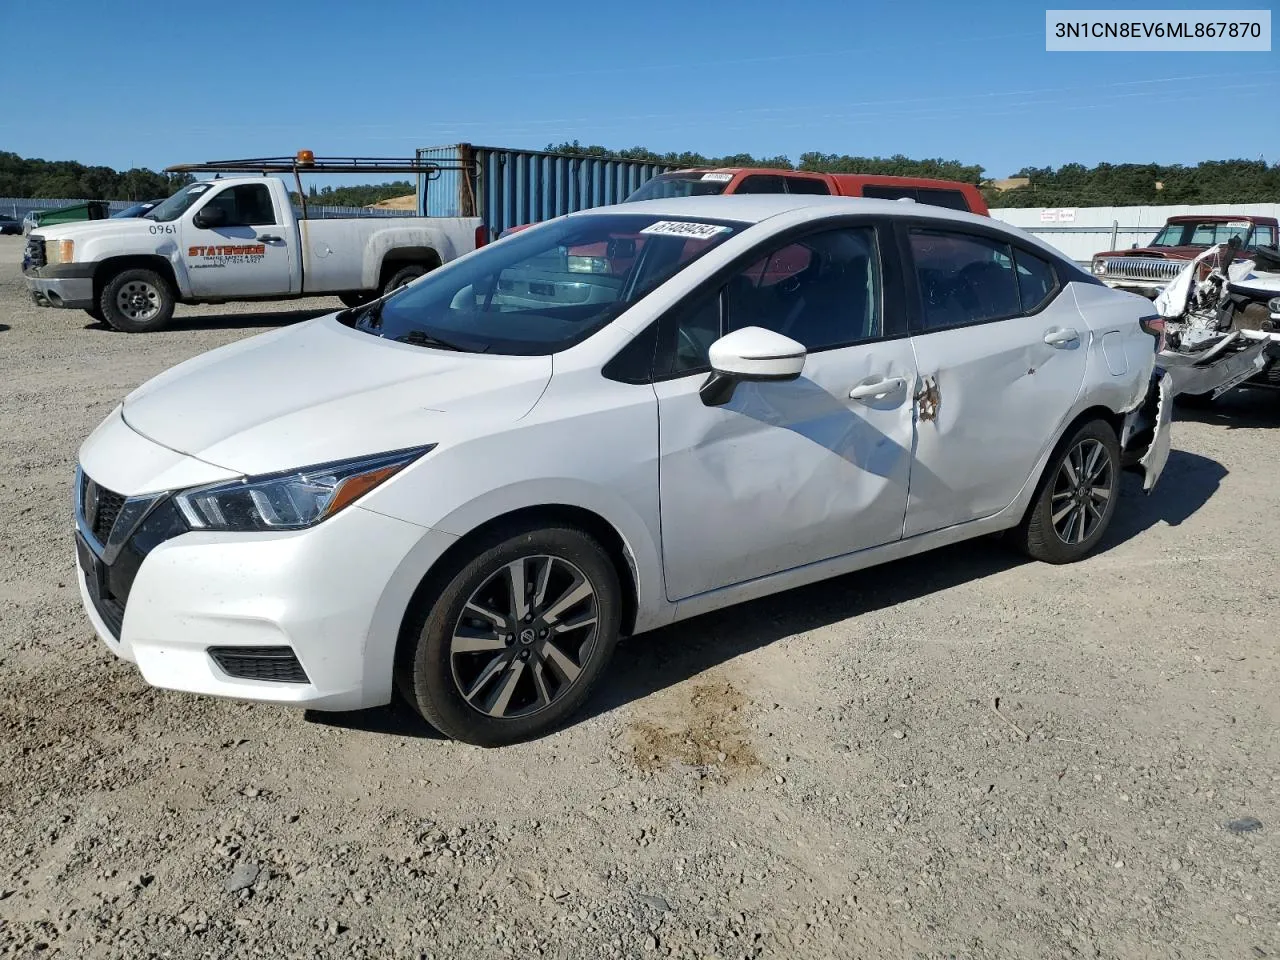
(137, 301)
(522, 678)
(356, 299)
(403, 276)
(1077, 532)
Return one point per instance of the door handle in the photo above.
(1056, 337)
(878, 388)
(269, 238)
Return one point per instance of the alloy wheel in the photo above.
(1082, 491)
(524, 637)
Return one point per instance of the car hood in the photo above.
(320, 391)
(91, 229)
(1157, 253)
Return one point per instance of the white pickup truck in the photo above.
(232, 238)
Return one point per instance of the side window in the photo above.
(1037, 280)
(761, 183)
(696, 326)
(823, 291)
(1264, 236)
(810, 185)
(963, 279)
(247, 205)
(951, 199)
(880, 192)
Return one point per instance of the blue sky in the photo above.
(148, 83)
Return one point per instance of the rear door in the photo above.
(790, 473)
(250, 254)
(1001, 349)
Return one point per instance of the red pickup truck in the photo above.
(726, 180)
(1146, 269)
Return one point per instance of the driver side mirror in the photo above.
(209, 216)
(746, 355)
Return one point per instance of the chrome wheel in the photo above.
(524, 637)
(1082, 491)
(138, 300)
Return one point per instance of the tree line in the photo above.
(21, 177)
(1070, 185)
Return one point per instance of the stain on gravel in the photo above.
(705, 729)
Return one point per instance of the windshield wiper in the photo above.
(420, 339)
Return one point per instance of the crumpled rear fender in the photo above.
(1145, 438)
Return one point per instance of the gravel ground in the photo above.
(961, 755)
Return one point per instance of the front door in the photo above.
(1001, 349)
(788, 473)
(248, 255)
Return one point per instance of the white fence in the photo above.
(1080, 232)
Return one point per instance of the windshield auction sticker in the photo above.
(681, 228)
(1170, 30)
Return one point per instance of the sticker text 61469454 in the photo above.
(223, 255)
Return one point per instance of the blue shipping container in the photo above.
(509, 188)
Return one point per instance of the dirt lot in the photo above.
(821, 774)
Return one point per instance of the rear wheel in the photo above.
(516, 639)
(137, 301)
(403, 277)
(1076, 499)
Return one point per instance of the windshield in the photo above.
(1201, 233)
(179, 203)
(137, 210)
(545, 289)
(670, 185)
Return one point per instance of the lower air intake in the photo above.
(276, 664)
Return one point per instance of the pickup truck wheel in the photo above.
(96, 313)
(402, 277)
(357, 299)
(137, 301)
(1076, 499)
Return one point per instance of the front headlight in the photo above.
(290, 501)
(59, 251)
(1099, 267)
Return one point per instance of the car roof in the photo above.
(758, 207)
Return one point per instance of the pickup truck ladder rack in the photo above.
(305, 162)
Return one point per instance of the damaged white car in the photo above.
(472, 487)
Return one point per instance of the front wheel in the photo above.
(1076, 499)
(137, 301)
(516, 639)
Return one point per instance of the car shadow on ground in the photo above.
(232, 321)
(666, 657)
(1237, 409)
(3, 327)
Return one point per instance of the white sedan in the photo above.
(471, 488)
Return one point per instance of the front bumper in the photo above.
(61, 285)
(1146, 288)
(332, 596)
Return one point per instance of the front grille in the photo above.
(276, 664)
(34, 256)
(1143, 268)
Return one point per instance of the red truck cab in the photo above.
(1146, 269)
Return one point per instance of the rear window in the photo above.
(934, 196)
(807, 185)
